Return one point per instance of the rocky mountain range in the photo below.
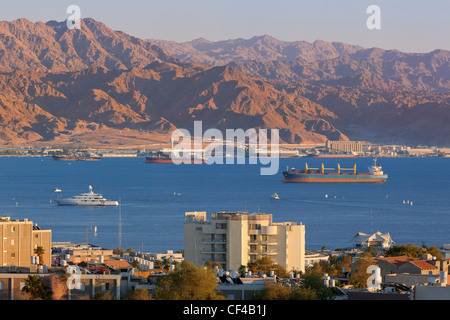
(96, 86)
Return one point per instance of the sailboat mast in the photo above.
(120, 223)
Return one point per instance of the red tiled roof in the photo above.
(395, 260)
(118, 263)
(422, 264)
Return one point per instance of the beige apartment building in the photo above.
(234, 239)
(344, 146)
(19, 239)
(88, 287)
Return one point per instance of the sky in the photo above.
(405, 25)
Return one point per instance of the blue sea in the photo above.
(155, 197)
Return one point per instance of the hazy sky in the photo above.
(406, 25)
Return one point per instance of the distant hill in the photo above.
(52, 47)
(268, 58)
(157, 98)
(97, 86)
(258, 48)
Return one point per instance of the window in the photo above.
(2, 285)
(12, 242)
(255, 227)
(13, 229)
(221, 225)
(13, 254)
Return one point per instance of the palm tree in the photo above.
(37, 288)
(39, 251)
(158, 264)
(135, 264)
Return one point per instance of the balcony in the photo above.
(263, 252)
(263, 242)
(209, 240)
(215, 250)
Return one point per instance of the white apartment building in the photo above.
(234, 239)
(344, 146)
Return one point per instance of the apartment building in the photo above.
(19, 239)
(234, 239)
(344, 146)
(76, 253)
(87, 286)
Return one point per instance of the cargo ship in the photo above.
(166, 157)
(64, 158)
(333, 156)
(159, 158)
(76, 158)
(308, 175)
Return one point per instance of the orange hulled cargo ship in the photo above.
(320, 175)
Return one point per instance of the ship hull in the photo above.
(158, 160)
(69, 202)
(56, 158)
(326, 178)
(333, 156)
(169, 160)
(62, 158)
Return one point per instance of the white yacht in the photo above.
(275, 196)
(87, 199)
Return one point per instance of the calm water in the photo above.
(152, 216)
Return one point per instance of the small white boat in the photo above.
(57, 190)
(275, 196)
(87, 199)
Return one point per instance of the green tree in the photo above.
(265, 265)
(314, 283)
(274, 292)
(118, 251)
(253, 266)
(137, 294)
(311, 288)
(333, 266)
(158, 264)
(188, 282)
(358, 276)
(302, 293)
(165, 264)
(212, 264)
(103, 296)
(135, 264)
(37, 289)
(413, 251)
(39, 251)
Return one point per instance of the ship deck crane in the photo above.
(323, 168)
(354, 169)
